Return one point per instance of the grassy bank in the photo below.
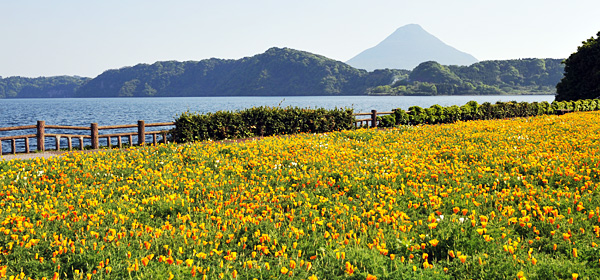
(515, 198)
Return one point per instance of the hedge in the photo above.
(259, 121)
(473, 111)
(267, 121)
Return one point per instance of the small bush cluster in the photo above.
(259, 121)
(473, 111)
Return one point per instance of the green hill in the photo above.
(277, 72)
(288, 72)
(42, 87)
(520, 76)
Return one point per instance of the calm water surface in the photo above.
(113, 111)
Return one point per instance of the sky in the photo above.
(86, 38)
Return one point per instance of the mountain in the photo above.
(277, 72)
(516, 76)
(288, 72)
(406, 48)
(41, 87)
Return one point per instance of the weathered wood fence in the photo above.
(93, 134)
(359, 122)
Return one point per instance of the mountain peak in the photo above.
(411, 26)
(406, 48)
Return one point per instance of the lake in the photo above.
(114, 111)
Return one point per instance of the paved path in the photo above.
(32, 155)
(48, 154)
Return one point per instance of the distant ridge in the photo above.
(289, 72)
(406, 48)
(276, 72)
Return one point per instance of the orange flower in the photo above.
(349, 268)
(575, 252)
(371, 277)
(451, 253)
(462, 258)
(434, 242)
(284, 270)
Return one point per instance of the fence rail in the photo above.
(94, 136)
(359, 122)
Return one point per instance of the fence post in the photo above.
(40, 135)
(94, 134)
(81, 143)
(141, 133)
(57, 139)
(374, 118)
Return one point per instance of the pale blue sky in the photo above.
(75, 37)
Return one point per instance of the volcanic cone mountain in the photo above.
(406, 48)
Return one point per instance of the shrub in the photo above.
(259, 121)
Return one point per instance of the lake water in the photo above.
(114, 111)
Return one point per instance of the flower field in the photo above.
(502, 199)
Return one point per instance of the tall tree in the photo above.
(582, 73)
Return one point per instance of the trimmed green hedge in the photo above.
(266, 121)
(473, 111)
(259, 121)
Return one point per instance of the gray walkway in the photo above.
(32, 155)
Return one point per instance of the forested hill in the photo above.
(287, 72)
(277, 72)
(42, 87)
(520, 76)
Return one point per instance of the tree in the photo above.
(582, 73)
(433, 72)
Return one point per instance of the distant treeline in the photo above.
(42, 87)
(288, 72)
(523, 76)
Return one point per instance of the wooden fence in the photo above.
(359, 122)
(93, 135)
